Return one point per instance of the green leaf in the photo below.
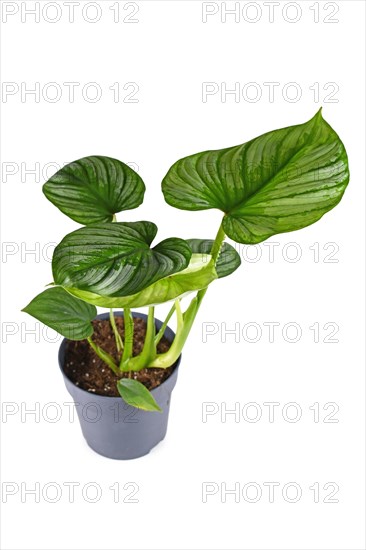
(281, 181)
(93, 189)
(115, 259)
(228, 260)
(69, 316)
(199, 274)
(137, 395)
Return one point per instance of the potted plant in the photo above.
(281, 181)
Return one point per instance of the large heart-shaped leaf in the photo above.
(199, 274)
(93, 189)
(281, 181)
(69, 316)
(115, 259)
(228, 260)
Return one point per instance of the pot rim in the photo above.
(106, 316)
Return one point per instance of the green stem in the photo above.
(160, 334)
(179, 313)
(149, 351)
(215, 253)
(117, 336)
(128, 345)
(184, 325)
(217, 244)
(185, 321)
(104, 356)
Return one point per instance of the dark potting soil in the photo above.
(86, 370)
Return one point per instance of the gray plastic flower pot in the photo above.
(110, 426)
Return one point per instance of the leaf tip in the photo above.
(319, 113)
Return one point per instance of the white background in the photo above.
(169, 53)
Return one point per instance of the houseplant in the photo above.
(281, 181)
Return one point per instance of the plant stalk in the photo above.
(215, 253)
(185, 320)
(149, 351)
(128, 344)
(117, 336)
(184, 325)
(160, 334)
(104, 356)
